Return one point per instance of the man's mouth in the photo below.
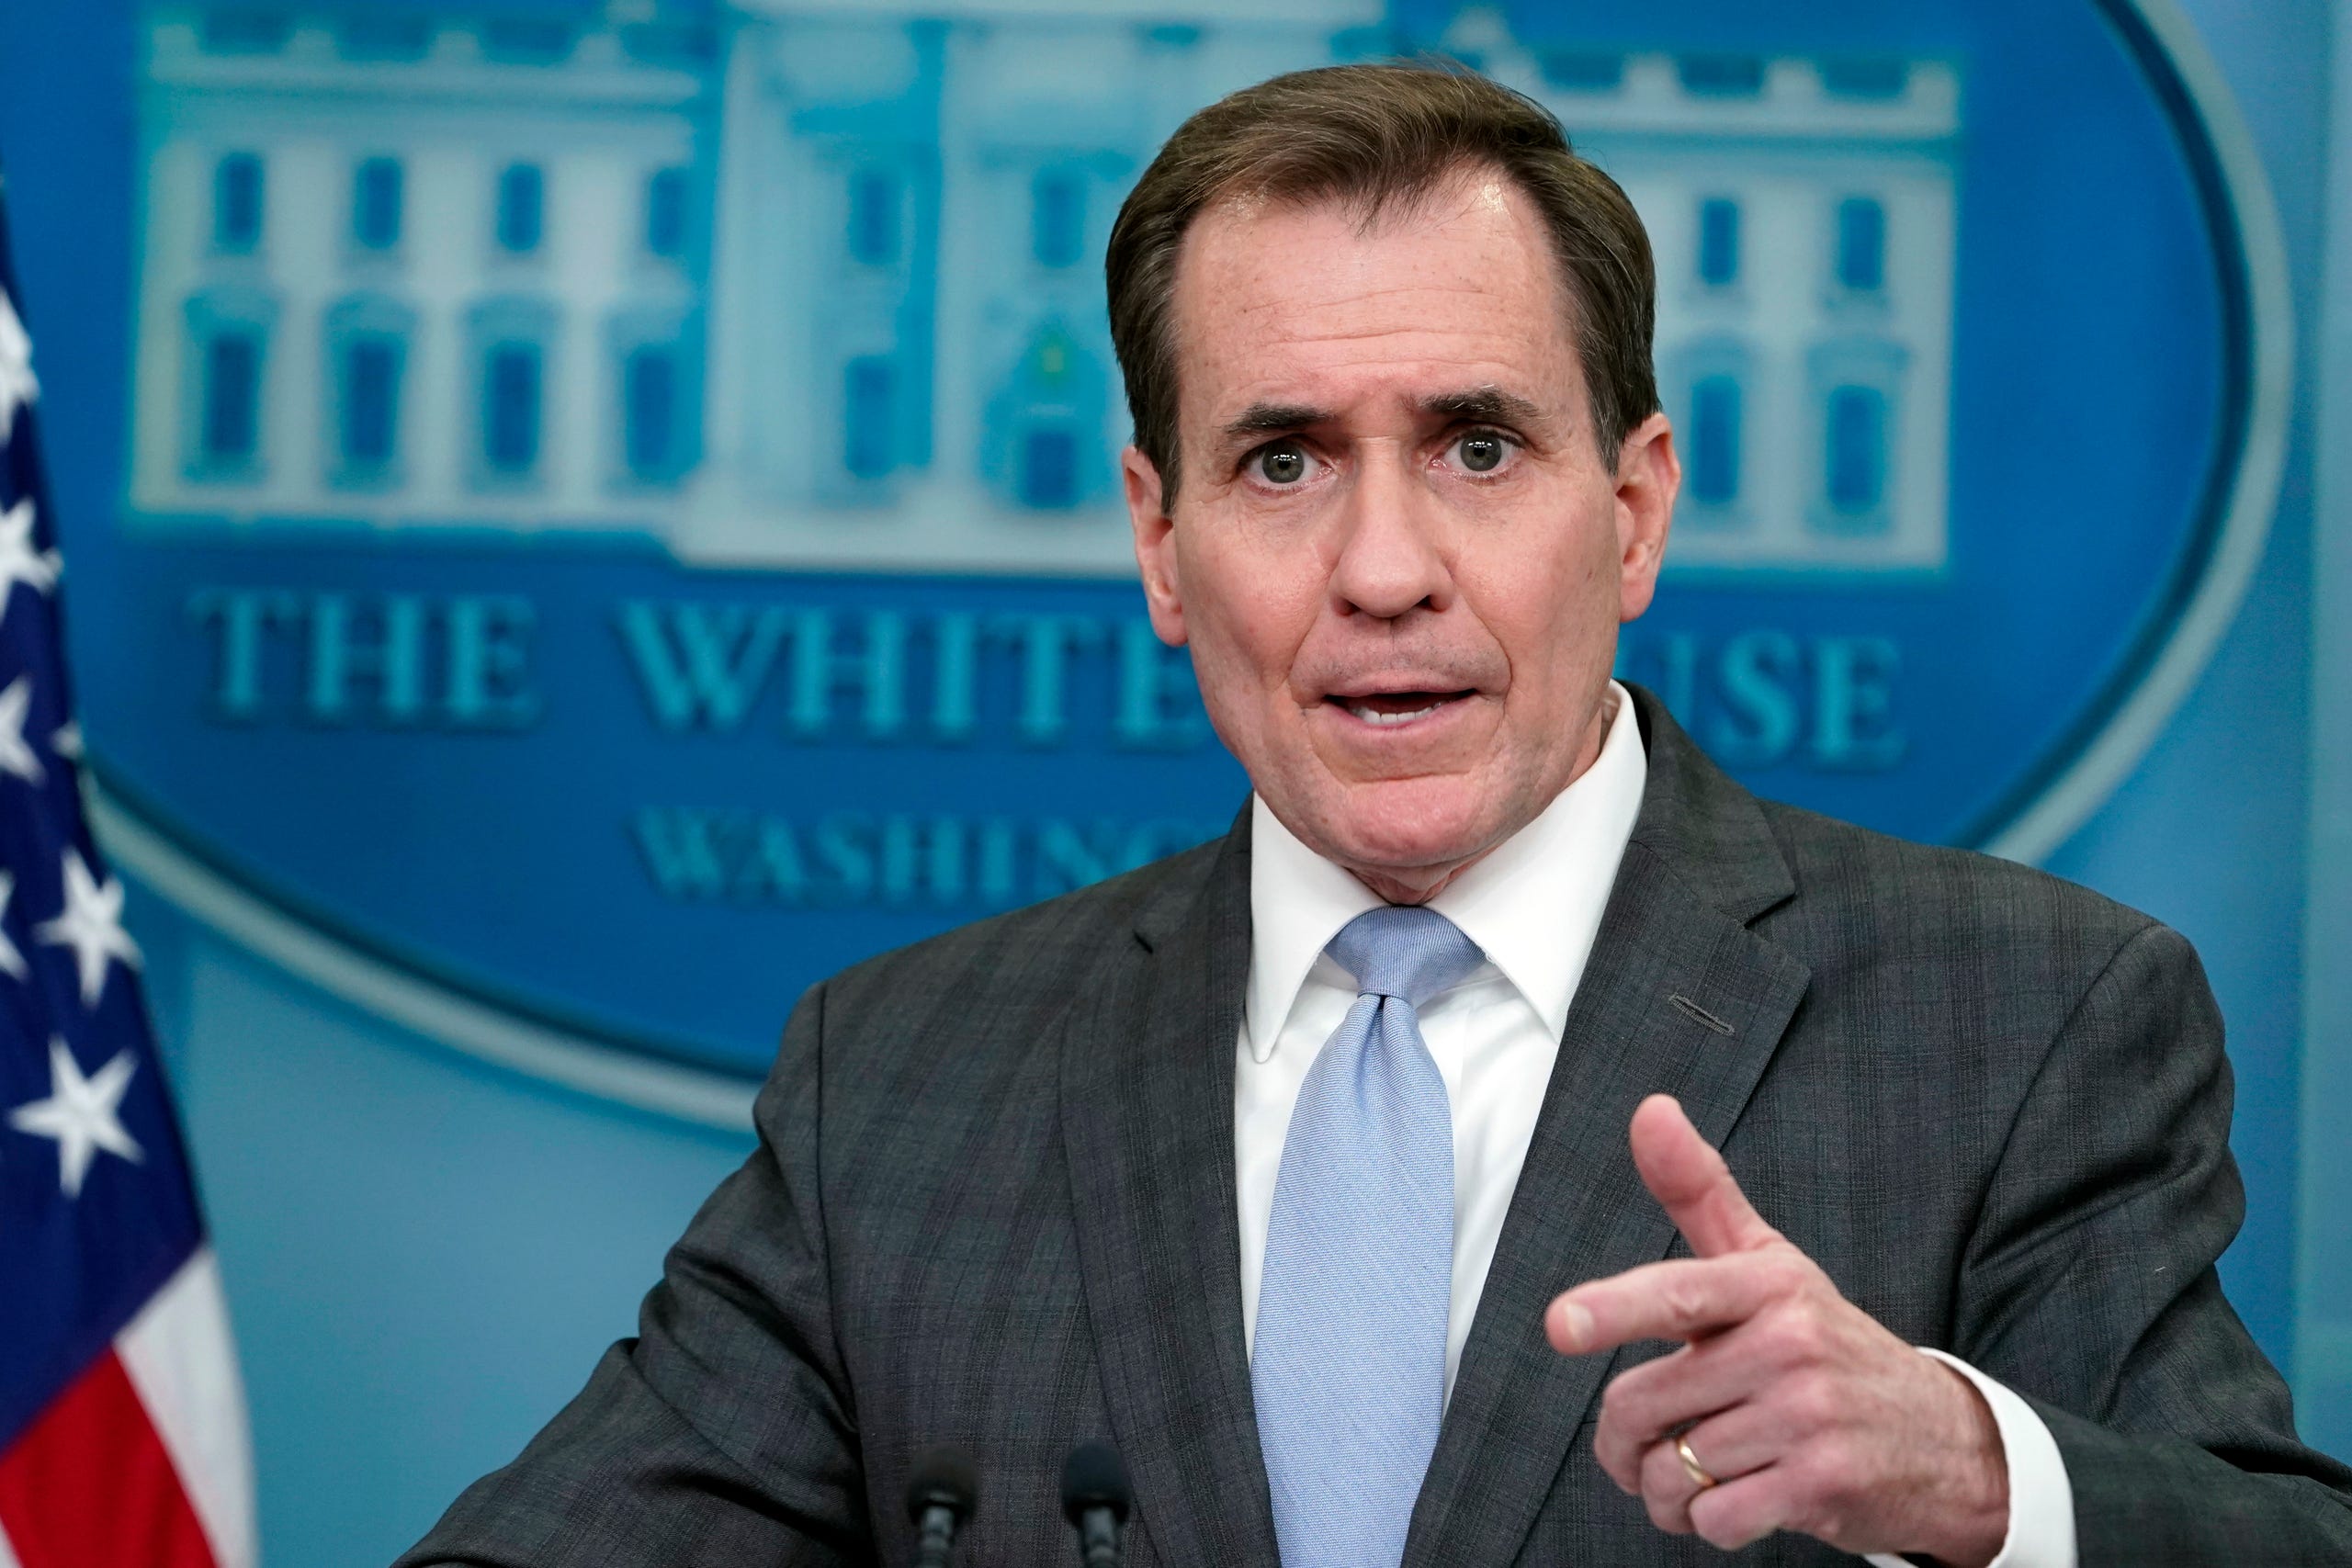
(1390, 708)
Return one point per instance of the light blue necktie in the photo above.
(1348, 1361)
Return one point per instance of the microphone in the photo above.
(941, 1495)
(1096, 1498)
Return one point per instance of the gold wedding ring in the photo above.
(1691, 1465)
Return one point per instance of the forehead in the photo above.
(1456, 287)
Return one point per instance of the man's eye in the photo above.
(1283, 462)
(1482, 451)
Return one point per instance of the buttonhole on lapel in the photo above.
(1690, 1009)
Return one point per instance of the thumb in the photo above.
(1691, 1183)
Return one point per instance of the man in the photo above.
(1357, 1174)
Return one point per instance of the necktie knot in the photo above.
(1405, 952)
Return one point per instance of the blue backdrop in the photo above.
(424, 1252)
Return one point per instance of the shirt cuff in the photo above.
(2041, 1500)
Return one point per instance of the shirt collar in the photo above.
(1533, 904)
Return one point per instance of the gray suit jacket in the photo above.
(993, 1205)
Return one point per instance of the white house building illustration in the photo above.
(797, 284)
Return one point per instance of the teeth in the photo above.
(1373, 715)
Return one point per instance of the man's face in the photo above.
(1397, 554)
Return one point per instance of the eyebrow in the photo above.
(1272, 419)
(1481, 405)
(1485, 405)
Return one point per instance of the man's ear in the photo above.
(1649, 476)
(1154, 546)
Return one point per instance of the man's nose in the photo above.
(1388, 560)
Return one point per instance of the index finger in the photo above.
(1692, 1182)
(1683, 1297)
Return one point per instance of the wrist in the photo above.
(1972, 1523)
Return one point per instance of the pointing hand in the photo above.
(1803, 1412)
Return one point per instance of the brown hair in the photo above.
(1375, 135)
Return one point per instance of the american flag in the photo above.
(122, 1425)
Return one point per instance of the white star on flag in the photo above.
(90, 924)
(66, 741)
(80, 1113)
(11, 961)
(17, 756)
(18, 383)
(19, 562)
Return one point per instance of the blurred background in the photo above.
(583, 517)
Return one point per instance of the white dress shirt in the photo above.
(1533, 906)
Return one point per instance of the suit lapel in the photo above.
(1678, 997)
(1148, 1082)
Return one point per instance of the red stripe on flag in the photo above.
(89, 1484)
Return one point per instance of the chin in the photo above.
(1410, 824)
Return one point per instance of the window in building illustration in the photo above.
(1714, 441)
(1705, 381)
(511, 395)
(507, 355)
(237, 202)
(371, 397)
(1855, 478)
(528, 40)
(522, 193)
(376, 204)
(1058, 218)
(225, 382)
(1581, 70)
(650, 412)
(665, 212)
(1865, 77)
(867, 450)
(1861, 244)
(246, 30)
(1718, 242)
(873, 217)
(655, 389)
(1048, 479)
(231, 420)
(1722, 75)
(1040, 433)
(678, 44)
(365, 340)
(1856, 487)
(384, 37)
